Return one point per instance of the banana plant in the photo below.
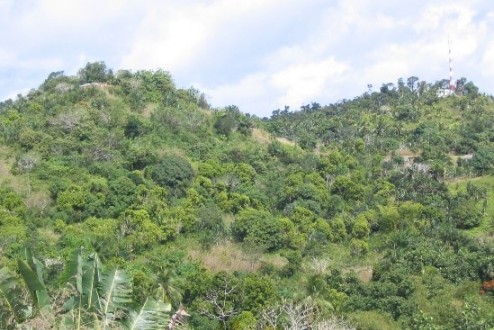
(115, 295)
(31, 271)
(153, 315)
(84, 275)
(101, 298)
(13, 308)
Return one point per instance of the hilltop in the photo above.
(371, 213)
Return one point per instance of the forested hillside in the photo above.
(125, 200)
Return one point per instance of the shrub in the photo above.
(173, 172)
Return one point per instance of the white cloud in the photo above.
(250, 93)
(294, 85)
(488, 62)
(258, 54)
(175, 36)
(304, 82)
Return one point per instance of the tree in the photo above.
(470, 89)
(173, 172)
(361, 228)
(411, 81)
(244, 321)
(139, 231)
(460, 85)
(95, 72)
(358, 247)
(225, 124)
(483, 160)
(258, 227)
(219, 302)
(465, 214)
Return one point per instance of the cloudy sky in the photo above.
(258, 54)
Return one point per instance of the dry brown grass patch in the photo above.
(405, 152)
(39, 200)
(364, 273)
(229, 257)
(261, 136)
(148, 110)
(226, 257)
(20, 185)
(285, 141)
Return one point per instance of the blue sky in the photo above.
(257, 54)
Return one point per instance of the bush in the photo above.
(259, 228)
(173, 172)
(358, 247)
(466, 215)
(361, 228)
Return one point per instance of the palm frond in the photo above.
(152, 315)
(90, 281)
(73, 270)
(114, 294)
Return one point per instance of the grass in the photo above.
(19, 184)
(229, 257)
(261, 136)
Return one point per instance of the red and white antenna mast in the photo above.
(452, 86)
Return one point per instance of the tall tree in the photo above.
(411, 81)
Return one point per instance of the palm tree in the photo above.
(166, 288)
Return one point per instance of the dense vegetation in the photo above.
(124, 198)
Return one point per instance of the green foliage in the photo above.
(95, 72)
(13, 232)
(348, 188)
(244, 321)
(358, 247)
(473, 317)
(259, 228)
(374, 321)
(388, 218)
(102, 297)
(13, 308)
(210, 225)
(173, 172)
(139, 232)
(152, 315)
(225, 124)
(465, 214)
(258, 292)
(483, 160)
(31, 270)
(348, 208)
(135, 127)
(361, 228)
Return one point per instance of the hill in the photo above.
(372, 213)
